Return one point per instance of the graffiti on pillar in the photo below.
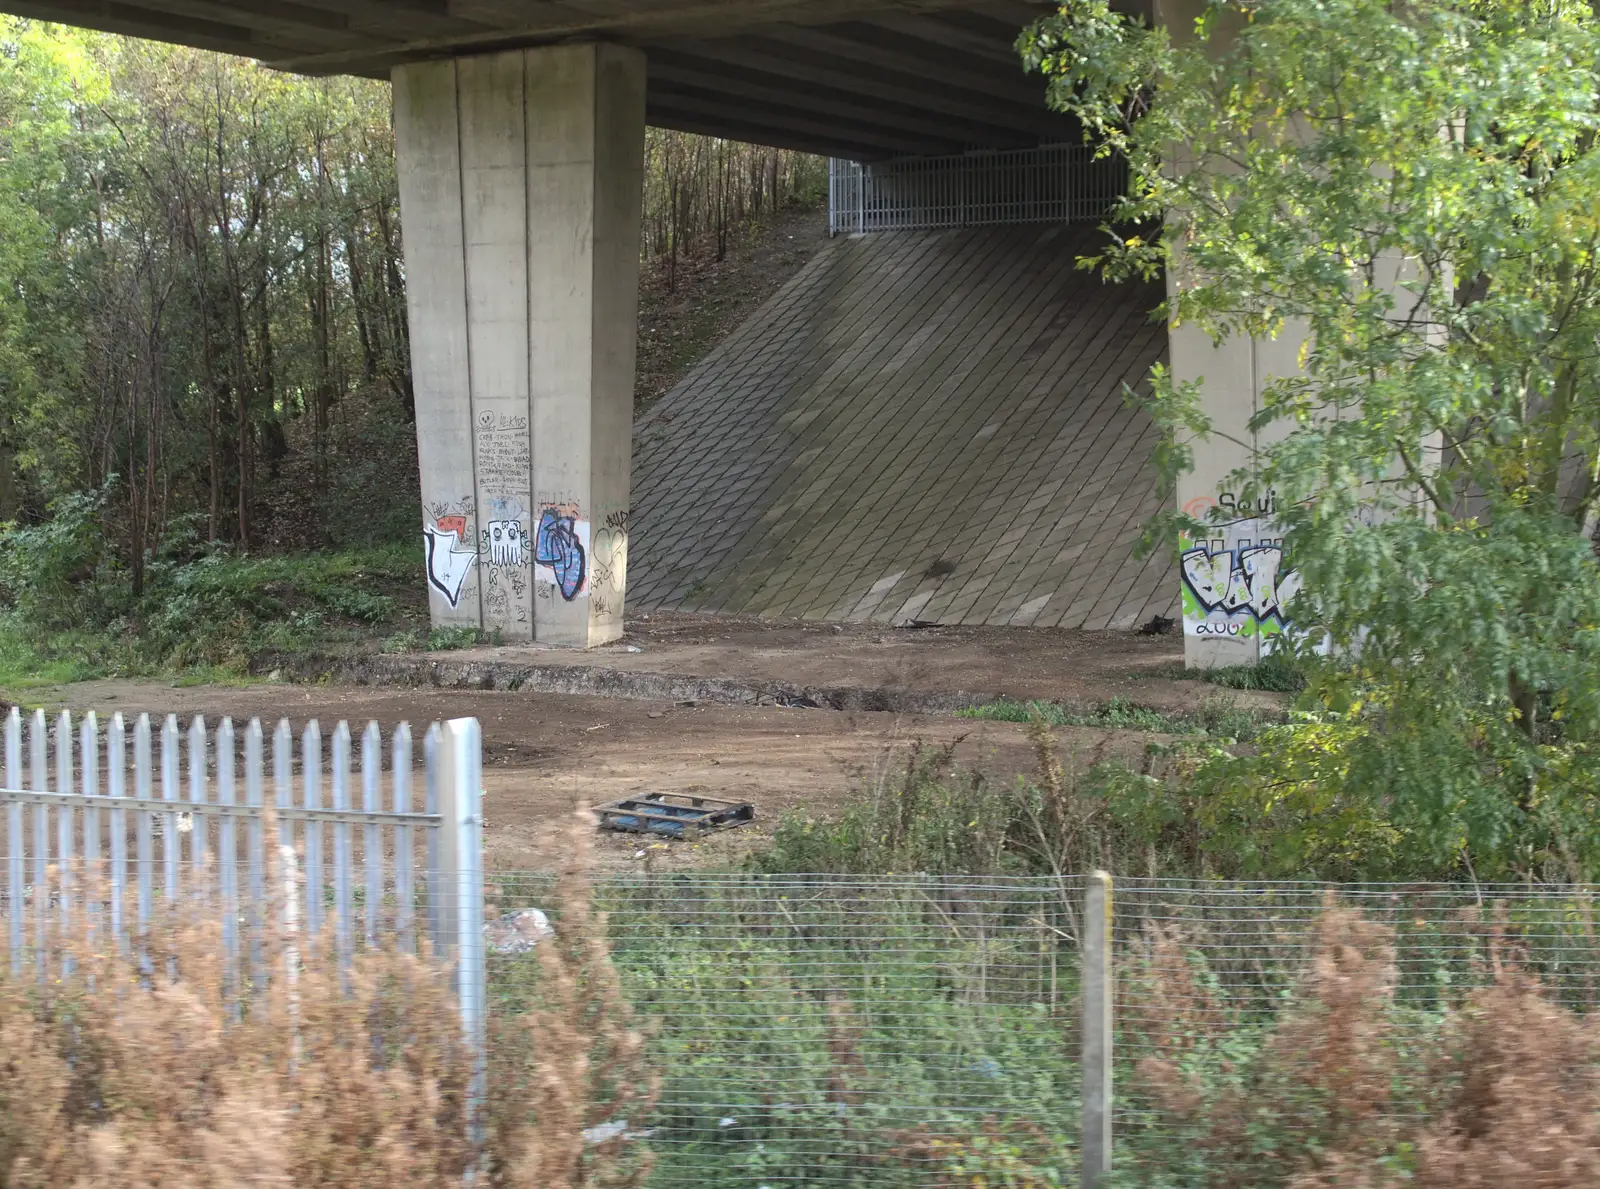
(611, 554)
(502, 458)
(561, 551)
(449, 561)
(505, 556)
(1235, 583)
(1234, 506)
(505, 542)
(611, 560)
(503, 454)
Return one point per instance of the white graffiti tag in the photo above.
(448, 563)
(1267, 594)
(507, 541)
(611, 559)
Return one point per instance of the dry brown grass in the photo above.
(150, 1066)
(1347, 1091)
(1527, 1115)
(112, 1076)
(576, 1061)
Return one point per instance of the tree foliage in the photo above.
(201, 265)
(196, 251)
(700, 190)
(1414, 189)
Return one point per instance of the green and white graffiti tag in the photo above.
(1234, 582)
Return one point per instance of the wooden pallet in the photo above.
(673, 815)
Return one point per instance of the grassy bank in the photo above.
(208, 616)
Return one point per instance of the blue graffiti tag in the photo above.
(559, 548)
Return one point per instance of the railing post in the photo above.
(833, 197)
(459, 878)
(861, 198)
(1097, 1021)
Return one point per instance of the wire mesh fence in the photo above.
(1251, 942)
(832, 1031)
(812, 1030)
(1208, 971)
(854, 1031)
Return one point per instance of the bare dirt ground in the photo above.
(1047, 664)
(548, 753)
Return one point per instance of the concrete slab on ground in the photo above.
(752, 660)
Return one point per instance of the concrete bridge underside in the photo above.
(861, 79)
(520, 135)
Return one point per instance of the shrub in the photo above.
(55, 573)
(1321, 1080)
(926, 818)
(201, 607)
(1527, 1112)
(1184, 811)
(1287, 809)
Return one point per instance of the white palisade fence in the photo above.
(122, 820)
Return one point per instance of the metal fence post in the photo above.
(16, 869)
(833, 197)
(1096, 945)
(432, 752)
(460, 879)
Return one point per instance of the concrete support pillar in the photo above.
(1233, 579)
(521, 179)
(1235, 585)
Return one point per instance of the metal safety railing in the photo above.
(1048, 184)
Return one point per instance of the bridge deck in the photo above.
(865, 79)
(920, 426)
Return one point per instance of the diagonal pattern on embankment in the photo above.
(920, 426)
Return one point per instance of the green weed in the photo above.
(1273, 674)
(858, 1033)
(29, 660)
(450, 638)
(446, 639)
(1215, 717)
(204, 616)
(1278, 673)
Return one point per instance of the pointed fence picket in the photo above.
(192, 836)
